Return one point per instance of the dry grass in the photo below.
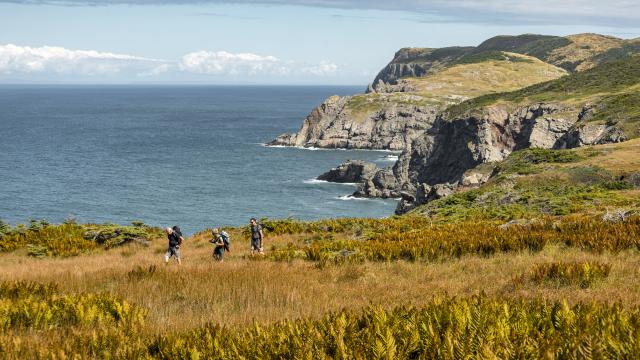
(241, 290)
(470, 80)
(584, 47)
(458, 83)
(619, 158)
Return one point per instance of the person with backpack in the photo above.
(221, 241)
(257, 237)
(175, 240)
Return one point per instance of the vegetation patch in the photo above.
(416, 238)
(584, 274)
(26, 305)
(445, 328)
(525, 161)
(69, 239)
(610, 78)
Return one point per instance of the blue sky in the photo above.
(262, 41)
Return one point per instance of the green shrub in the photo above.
(71, 238)
(524, 161)
(415, 238)
(24, 289)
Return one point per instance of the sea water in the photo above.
(187, 155)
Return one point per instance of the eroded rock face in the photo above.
(351, 171)
(592, 134)
(333, 125)
(445, 155)
(383, 184)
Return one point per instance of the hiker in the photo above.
(221, 241)
(257, 237)
(175, 240)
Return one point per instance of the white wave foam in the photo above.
(351, 197)
(316, 181)
(313, 148)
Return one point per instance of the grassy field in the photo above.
(154, 301)
(495, 72)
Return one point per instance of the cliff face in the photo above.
(417, 62)
(447, 155)
(392, 116)
(593, 107)
(450, 150)
(336, 124)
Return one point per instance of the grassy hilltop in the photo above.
(486, 73)
(523, 64)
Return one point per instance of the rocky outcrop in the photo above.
(335, 123)
(383, 184)
(351, 171)
(444, 158)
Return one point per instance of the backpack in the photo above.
(225, 239)
(178, 234)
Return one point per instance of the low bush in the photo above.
(446, 328)
(414, 238)
(584, 274)
(70, 238)
(25, 305)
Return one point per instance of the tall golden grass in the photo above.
(186, 310)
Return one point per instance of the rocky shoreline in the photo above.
(445, 149)
(460, 153)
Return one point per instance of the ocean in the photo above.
(165, 155)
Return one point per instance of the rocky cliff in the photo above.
(456, 112)
(454, 152)
(341, 122)
(393, 118)
(445, 158)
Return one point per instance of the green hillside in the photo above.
(573, 53)
(613, 87)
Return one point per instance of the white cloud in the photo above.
(324, 68)
(225, 63)
(57, 60)
(24, 62)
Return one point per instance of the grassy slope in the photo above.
(484, 74)
(532, 182)
(614, 87)
(574, 52)
(502, 64)
(459, 73)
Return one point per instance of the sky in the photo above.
(330, 42)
